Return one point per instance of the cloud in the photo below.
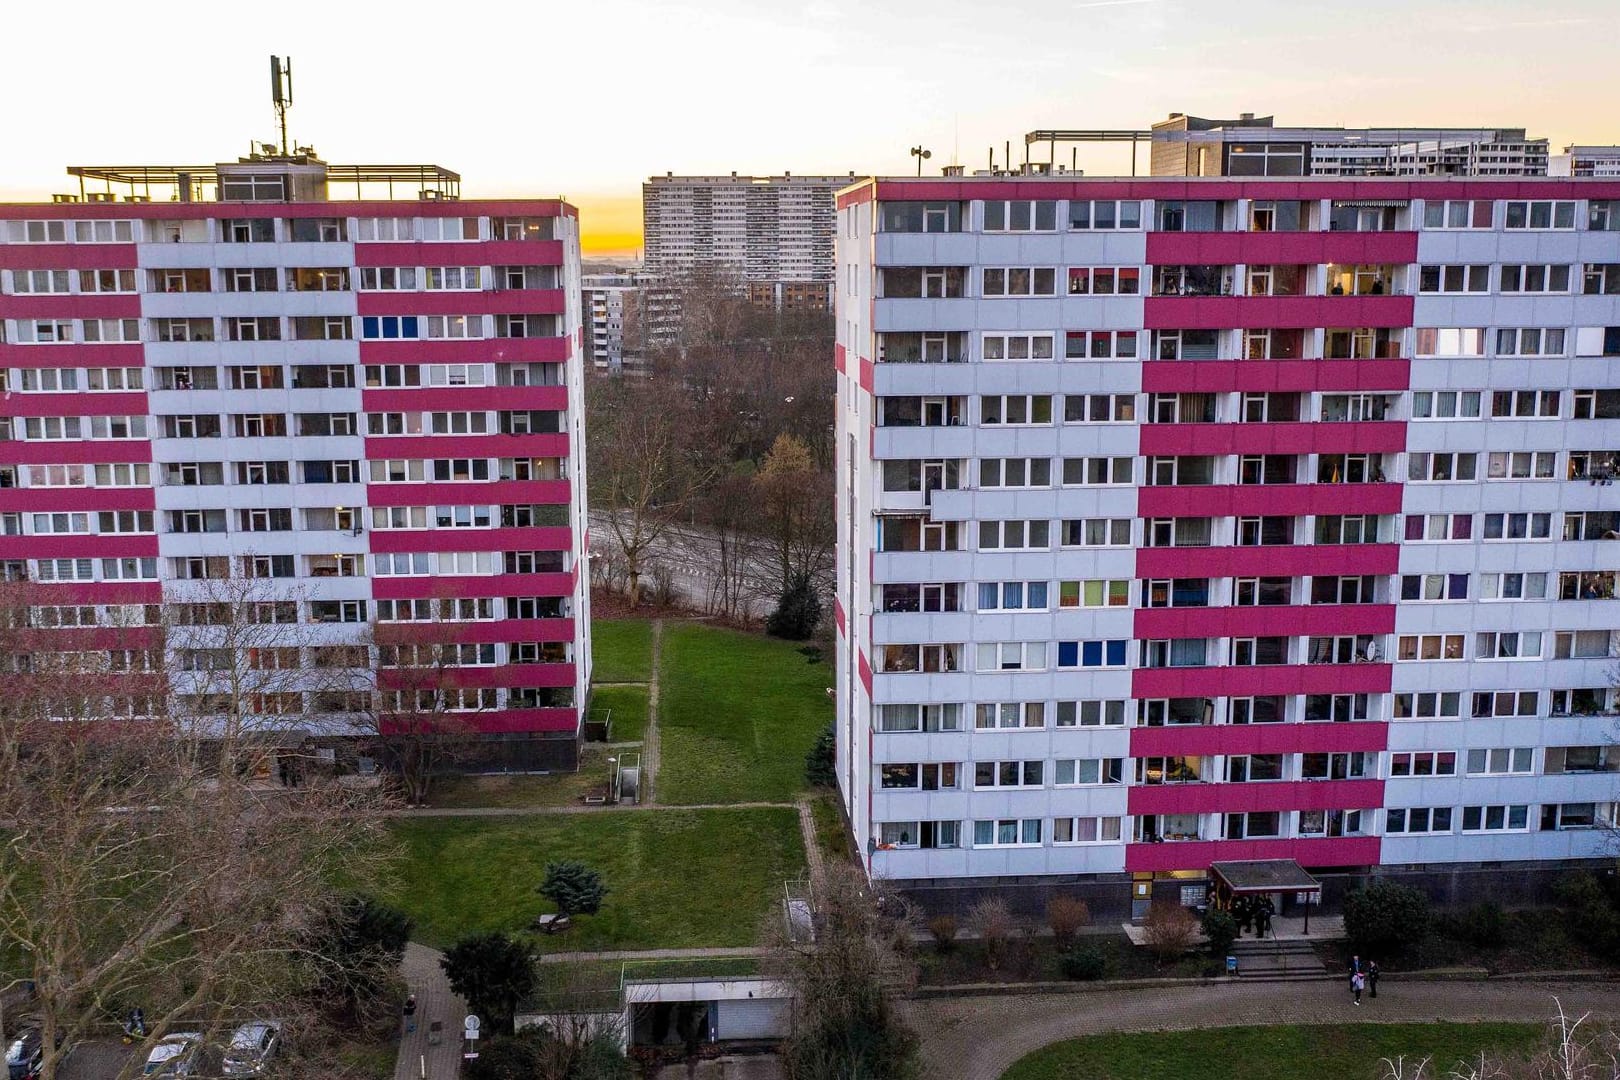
(1111, 3)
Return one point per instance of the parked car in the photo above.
(251, 1048)
(174, 1055)
(25, 1055)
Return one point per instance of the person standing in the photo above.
(1357, 981)
(1372, 978)
(410, 1014)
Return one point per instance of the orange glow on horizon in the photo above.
(609, 224)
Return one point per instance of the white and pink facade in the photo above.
(1195, 520)
(372, 407)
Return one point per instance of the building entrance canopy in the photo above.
(1264, 876)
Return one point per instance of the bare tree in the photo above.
(796, 512)
(426, 718)
(146, 860)
(845, 983)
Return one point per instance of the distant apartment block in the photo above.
(368, 409)
(627, 316)
(1254, 146)
(1188, 521)
(771, 234)
(1593, 160)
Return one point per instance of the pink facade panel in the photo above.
(60, 356)
(1195, 855)
(1263, 312)
(1261, 680)
(119, 404)
(1291, 561)
(1279, 376)
(78, 547)
(1198, 740)
(84, 452)
(75, 306)
(43, 499)
(1282, 438)
(63, 256)
(1242, 798)
(1281, 248)
(1265, 621)
(1259, 500)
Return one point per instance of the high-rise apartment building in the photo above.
(1193, 521)
(770, 234)
(627, 315)
(368, 411)
(1249, 146)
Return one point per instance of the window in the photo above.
(454, 278)
(1445, 405)
(1457, 214)
(1104, 280)
(1020, 215)
(1347, 529)
(1175, 653)
(898, 718)
(1440, 467)
(1529, 341)
(901, 659)
(1601, 279)
(1105, 214)
(25, 282)
(1540, 214)
(1418, 819)
(1354, 407)
(1596, 405)
(389, 327)
(1556, 816)
(928, 776)
(1518, 526)
(1110, 713)
(1009, 409)
(1165, 471)
(1429, 647)
(1009, 715)
(1097, 532)
(1016, 347)
(1495, 818)
(1099, 408)
(1423, 763)
(1428, 706)
(1011, 596)
(1015, 472)
(1244, 768)
(1100, 345)
(1178, 532)
(1257, 710)
(1525, 404)
(1346, 590)
(1094, 593)
(1454, 279)
(1075, 772)
(1581, 645)
(1525, 465)
(455, 326)
(1505, 703)
(387, 278)
(1536, 278)
(1019, 281)
(1091, 654)
(1011, 656)
(1086, 830)
(989, 774)
(1335, 708)
(1258, 823)
(44, 332)
(1098, 471)
(919, 834)
(1351, 766)
(1450, 341)
(247, 230)
(920, 217)
(1007, 832)
(1434, 587)
(1513, 586)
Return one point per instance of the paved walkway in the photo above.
(434, 1001)
(651, 744)
(525, 811)
(979, 1038)
(649, 954)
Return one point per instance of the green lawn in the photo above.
(621, 650)
(677, 878)
(525, 790)
(831, 837)
(629, 708)
(1336, 1051)
(737, 714)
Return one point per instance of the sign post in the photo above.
(469, 1030)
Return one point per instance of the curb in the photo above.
(927, 993)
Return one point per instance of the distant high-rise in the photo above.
(626, 317)
(772, 234)
(368, 410)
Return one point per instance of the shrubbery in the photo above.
(1385, 917)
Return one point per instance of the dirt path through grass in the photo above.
(649, 738)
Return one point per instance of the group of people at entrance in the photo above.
(1363, 976)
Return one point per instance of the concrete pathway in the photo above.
(812, 850)
(651, 744)
(434, 1001)
(649, 954)
(979, 1038)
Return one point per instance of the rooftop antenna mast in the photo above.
(281, 94)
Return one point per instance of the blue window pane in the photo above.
(1037, 594)
(988, 595)
(390, 327)
(368, 326)
(408, 326)
(1014, 592)
(1068, 653)
(1091, 654)
(1116, 654)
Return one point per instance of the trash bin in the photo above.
(435, 1032)
(1231, 965)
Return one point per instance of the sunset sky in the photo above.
(587, 100)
